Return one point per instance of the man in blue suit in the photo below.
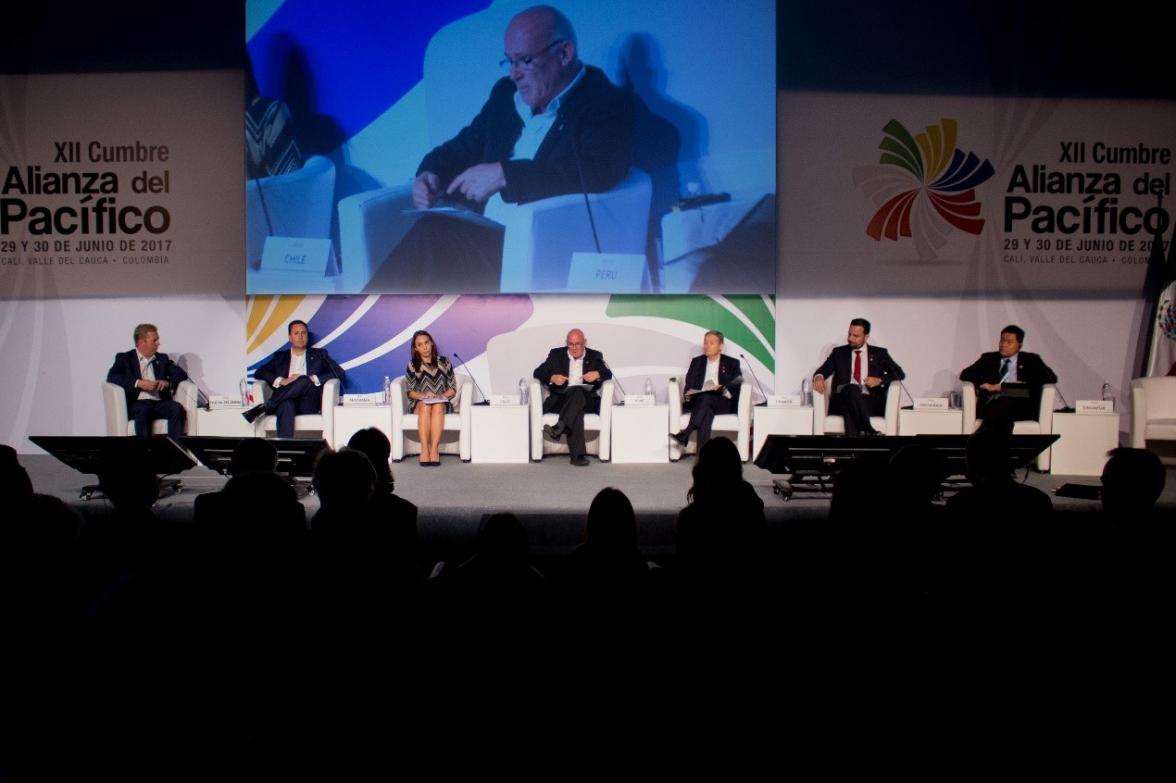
(297, 376)
(861, 377)
(149, 379)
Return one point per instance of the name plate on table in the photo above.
(606, 272)
(785, 401)
(217, 402)
(640, 400)
(363, 400)
(931, 404)
(505, 399)
(1094, 406)
(297, 254)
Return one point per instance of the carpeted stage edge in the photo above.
(550, 497)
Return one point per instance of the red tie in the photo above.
(857, 366)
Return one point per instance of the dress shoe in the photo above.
(555, 433)
(251, 415)
(580, 461)
(682, 436)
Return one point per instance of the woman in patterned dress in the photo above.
(429, 377)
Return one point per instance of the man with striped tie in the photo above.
(1008, 382)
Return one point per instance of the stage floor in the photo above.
(550, 497)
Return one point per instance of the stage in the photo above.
(550, 497)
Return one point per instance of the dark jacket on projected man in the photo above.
(589, 147)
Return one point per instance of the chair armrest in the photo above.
(606, 406)
(263, 390)
(114, 404)
(370, 225)
(1138, 414)
(330, 400)
(1049, 398)
(893, 403)
(535, 401)
(674, 398)
(969, 402)
(820, 410)
(188, 396)
(465, 401)
(743, 411)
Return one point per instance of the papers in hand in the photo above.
(433, 400)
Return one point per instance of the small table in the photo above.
(641, 433)
(779, 420)
(1085, 440)
(350, 419)
(931, 422)
(222, 423)
(501, 434)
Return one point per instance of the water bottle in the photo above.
(1107, 393)
(244, 386)
(649, 387)
(522, 391)
(806, 391)
(387, 390)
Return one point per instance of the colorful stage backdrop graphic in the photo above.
(502, 339)
(369, 88)
(929, 195)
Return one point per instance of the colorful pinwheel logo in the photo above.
(923, 187)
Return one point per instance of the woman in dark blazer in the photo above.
(712, 388)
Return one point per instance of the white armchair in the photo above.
(1153, 410)
(118, 423)
(455, 436)
(824, 424)
(1042, 425)
(597, 426)
(539, 237)
(737, 425)
(306, 423)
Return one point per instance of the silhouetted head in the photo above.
(612, 524)
(344, 478)
(917, 472)
(15, 484)
(253, 455)
(1132, 481)
(503, 538)
(260, 504)
(987, 455)
(717, 471)
(374, 444)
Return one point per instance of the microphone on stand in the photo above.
(618, 382)
(472, 378)
(756, 379)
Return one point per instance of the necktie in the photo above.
(857, 366)
(1004, 368)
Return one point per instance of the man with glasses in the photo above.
(551, 126)
(574, 374)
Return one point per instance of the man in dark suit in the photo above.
(574, 374)
(715, 379)
(551, 126)
(861, 375)
(297, 376)
(149, 379)
(1014, 371)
